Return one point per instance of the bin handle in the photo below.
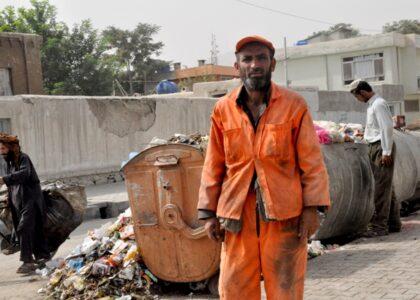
(172, 218)
(166, 160)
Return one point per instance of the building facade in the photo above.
(20, 64)
(186, 78)
(390, 58)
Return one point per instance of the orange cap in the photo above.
(254, 39)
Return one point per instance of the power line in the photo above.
(295, 16)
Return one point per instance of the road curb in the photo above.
(105, 210)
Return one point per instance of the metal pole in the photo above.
(286, 75)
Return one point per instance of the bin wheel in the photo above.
(213, 285)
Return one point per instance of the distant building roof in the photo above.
(206, 70)
(366, 42)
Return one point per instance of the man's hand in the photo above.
(386, 160)
(309, 222)
(213, 229)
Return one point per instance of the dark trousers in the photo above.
(28, 226)
(387, 208)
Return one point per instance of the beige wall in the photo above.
(73, 136)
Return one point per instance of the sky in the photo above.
(187, 25)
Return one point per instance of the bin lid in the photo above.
(162, 184)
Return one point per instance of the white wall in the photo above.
(313, 70)
(309, 71)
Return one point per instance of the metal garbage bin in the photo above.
(162, 184)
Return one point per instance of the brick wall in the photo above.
(20, 54)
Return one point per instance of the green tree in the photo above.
(135, 53)
(353, 31)
(83, 71)
(403, 26)
(71, 59)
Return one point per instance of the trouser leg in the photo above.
(394, 221)
(383, 187)
(25, 232)
(283, 259)
(240, 270)
(40, 244)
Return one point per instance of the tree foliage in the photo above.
(403, 26)
(353, 31)
(135, 53)
(81, 60)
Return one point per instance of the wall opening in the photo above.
(5, 126)
(5, 83)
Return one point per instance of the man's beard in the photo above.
(8, 157)
(256, 83)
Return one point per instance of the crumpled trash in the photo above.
(315, 248)
(76, 264)
(332, 247)
(107, 265)
(330, 132)
(119, 246)
(101, 267)
(89, 245)
(131, 256)
(127, 232)
(42, 272)
(125, 297)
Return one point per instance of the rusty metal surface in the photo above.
(162, 184)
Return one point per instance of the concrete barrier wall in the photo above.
(76, 136)
(73, 136)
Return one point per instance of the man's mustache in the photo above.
(256, 72)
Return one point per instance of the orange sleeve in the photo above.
(214, 166)
(314, 176)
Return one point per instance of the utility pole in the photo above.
(144, 82)
(214, 51)
(286, 75)
(130, 80)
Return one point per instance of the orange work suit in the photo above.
(285, 154)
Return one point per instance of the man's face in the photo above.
(255, 66)
(360, 96)
(3, 150)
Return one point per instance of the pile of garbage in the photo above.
(197, 140)
(315, 248)
(330, 132)
(106, 265)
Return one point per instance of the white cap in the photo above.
(354, 84)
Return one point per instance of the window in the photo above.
(5, 83)
(395, 108)
(5, 126)
(367, 67)
(411, 105)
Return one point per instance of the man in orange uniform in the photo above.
(262, 182)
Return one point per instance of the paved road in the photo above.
(379, 268)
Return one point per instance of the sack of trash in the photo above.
(65, 207)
